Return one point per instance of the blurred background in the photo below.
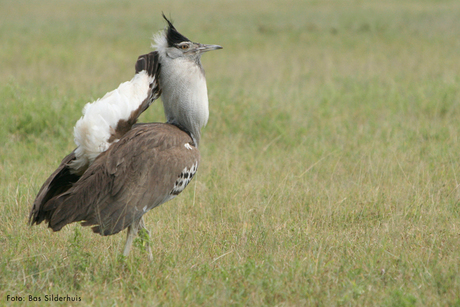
(329, 162)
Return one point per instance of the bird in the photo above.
(122, 169)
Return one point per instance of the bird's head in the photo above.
(174, 45)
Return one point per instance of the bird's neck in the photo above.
(184, 95)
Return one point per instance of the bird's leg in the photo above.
(147, 234)
(132, 231)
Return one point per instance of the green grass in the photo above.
(330, 164)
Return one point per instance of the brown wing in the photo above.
(59, 181)
(134, 175)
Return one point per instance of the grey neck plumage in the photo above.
(184, 94)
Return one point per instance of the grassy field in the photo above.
(330, 170)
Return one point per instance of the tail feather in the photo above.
(68, 195)
(150, 63)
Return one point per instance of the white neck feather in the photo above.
(184, 95)
(184, 91)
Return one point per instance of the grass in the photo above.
(330, 162)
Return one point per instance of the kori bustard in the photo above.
(120, 170)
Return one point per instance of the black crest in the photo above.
(172, 36)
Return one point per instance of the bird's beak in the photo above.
(204, 48)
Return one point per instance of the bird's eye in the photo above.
(184, 47)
